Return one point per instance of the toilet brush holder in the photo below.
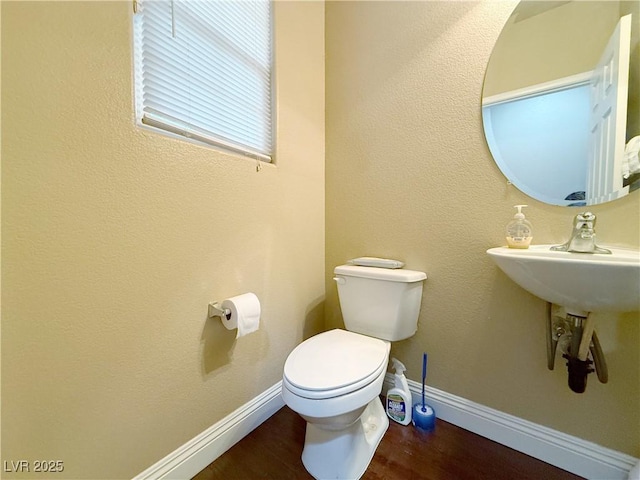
(424, 417)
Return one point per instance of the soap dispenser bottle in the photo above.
(519, 230)
(399, 405)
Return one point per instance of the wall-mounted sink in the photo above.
(580, 282)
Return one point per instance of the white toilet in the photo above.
(334, 379)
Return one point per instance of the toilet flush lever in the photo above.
(340, 280)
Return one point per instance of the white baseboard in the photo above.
(556, 448)
(551, 446)
(197, 453)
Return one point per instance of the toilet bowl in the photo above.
(333, 380)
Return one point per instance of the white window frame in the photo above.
(157, 107)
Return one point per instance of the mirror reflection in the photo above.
(560, 102)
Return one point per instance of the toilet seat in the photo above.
(335, 363)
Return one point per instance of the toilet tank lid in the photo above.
(377, 273)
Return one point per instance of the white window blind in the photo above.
(203, 71)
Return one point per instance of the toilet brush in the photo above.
(424, 417)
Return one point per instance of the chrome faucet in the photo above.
(583, 236)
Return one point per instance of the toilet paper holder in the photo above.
(216, 310)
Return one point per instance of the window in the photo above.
(203, 70)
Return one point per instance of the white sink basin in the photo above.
(580, 282)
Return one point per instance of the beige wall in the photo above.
(115, 239)
(409, 176)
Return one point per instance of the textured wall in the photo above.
(116, 238)
(409, 176)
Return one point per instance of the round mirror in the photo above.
(560, 103)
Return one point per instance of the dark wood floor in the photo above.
(273, 450)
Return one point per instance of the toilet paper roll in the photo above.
(245, 313)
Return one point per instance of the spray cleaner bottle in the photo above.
(398, 403)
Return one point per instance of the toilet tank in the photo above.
(380, 302)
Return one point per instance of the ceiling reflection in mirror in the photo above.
(560, 102)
